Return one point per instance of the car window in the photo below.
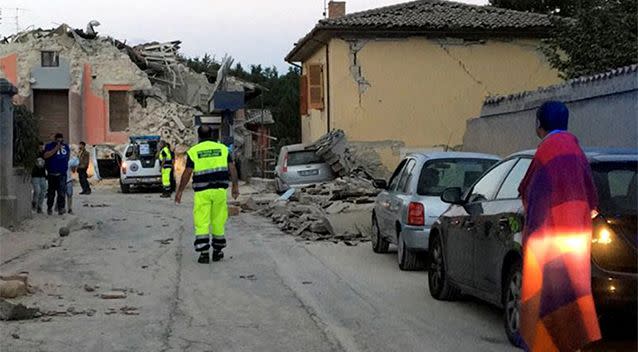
(509, 189)
(486, 187)
(439, 174)
(303, 157)
(405, 176)
(616, 186)
(394, 180)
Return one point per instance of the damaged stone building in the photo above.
(101, 90)
(408, 76)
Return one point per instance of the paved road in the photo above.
(271, 293)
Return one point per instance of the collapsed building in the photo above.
(100, 90)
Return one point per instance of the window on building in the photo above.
(50, 59)
(315, 86)
(303, 95)
(118, 111)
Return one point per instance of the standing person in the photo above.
(173, 183)
(56, 155)
(73, 167)
(210, 165)
(38, 180)
(558, 192)
(166, 164)
(84, 158)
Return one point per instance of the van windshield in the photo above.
(303, 157)
(437, 175)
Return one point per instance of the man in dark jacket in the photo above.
(57, 155)
(84, 157)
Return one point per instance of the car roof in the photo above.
(455, 155)
(594, 153)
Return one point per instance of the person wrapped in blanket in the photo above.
(558, 193)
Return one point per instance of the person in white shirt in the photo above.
(73, 166)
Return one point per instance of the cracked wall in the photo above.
(423, 91)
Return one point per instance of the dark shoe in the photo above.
(39, 210)
(165, 195)
(49, 211)
(83, 192)
(88, 192)
(61, 212)
(204, 258)
(70, 211)
(33, 206)
(218, 255)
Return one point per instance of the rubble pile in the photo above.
(333, 148)
(172, 121)
(337, 211)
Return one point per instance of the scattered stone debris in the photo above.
(13, 311)
(89, 288)
(250, 277)
(127, 310)
(12, 286)
(15, 336)
(64, 231)
(165, 241)
(113, 295)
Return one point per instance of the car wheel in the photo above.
(408, 260)
(125, 188)
(379, 244)
(438, 283)
(512, 303)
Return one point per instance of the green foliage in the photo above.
(599, 35)
(25, 137)
(599, 38)
(281, 96)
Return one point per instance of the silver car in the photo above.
(298, 166)
(411, 201)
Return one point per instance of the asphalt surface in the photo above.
(270, 293)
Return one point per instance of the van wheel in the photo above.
(438, 283)
(408, 260)
(125, 188)
(379, 244)
(512, 302)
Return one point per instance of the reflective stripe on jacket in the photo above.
(210, 161)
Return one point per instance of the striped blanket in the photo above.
(557, 307)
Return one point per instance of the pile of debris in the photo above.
(337, 211)
(172, 121)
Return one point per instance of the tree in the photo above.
(588, 36)
(599, 38)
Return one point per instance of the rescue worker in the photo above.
(166, 163)
(211, 166)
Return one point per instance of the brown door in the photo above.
(52, 108)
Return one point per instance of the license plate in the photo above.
(309, 172)
(149, 180)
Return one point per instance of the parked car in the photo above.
(140, 166)
(475, 245)
(410, 202)
(299, 166)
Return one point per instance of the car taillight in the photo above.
(124, 168)
(416, 214)
(285, 168)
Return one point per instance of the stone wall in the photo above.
(603, 113)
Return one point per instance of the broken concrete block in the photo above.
(12, 289)
(262, 184)
(233, 210)
(12, 311)
(337, 207)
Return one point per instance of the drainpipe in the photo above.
(328, 85)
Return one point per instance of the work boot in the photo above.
(49, 211)
(218, 255)
(165, 195)
(61, 212)
(33, 206)
(39, 210)
(70, 211)
(204, 258)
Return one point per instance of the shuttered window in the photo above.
(315, 86)
(303, 95)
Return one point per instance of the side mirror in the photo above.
(452, 195)
(382, 184)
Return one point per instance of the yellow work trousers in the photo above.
(166, 178)
(210, 212)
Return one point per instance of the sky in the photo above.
(251, 31)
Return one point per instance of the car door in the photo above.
(382, 207)
(501, 220)
(466, 225)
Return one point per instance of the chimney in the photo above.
(336, 9)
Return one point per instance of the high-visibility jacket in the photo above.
(166, 158)
(210, 165)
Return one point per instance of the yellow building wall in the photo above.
(422, 91)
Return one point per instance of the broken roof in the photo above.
(433, 17)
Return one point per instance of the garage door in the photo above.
(52, 108)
